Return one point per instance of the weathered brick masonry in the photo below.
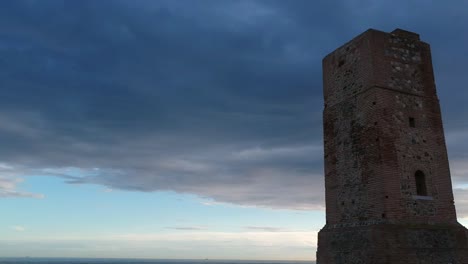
(388, 189)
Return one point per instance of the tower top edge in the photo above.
(405, 34)
(398, 32)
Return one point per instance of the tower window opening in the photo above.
(420, 178)
(412, 122)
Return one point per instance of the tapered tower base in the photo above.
(393, 244)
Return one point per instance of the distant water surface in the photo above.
(138, 261)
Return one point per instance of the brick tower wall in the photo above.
(382, 131)
(373, 86)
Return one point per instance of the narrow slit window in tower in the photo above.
(412, 122)
(420, 183)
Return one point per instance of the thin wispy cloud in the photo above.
(18, 228)
(186, 228)
(266, 228)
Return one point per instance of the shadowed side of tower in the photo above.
(388, 188)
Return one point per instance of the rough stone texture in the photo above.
(382, 124)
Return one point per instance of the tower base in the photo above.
(393, 244)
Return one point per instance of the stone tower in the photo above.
(388, 189)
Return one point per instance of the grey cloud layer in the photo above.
(221, 99)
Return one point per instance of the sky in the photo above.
(188, 129)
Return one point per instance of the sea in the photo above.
(28, 260)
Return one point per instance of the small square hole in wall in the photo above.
(412, 122)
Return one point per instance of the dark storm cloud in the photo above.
(217, 98)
